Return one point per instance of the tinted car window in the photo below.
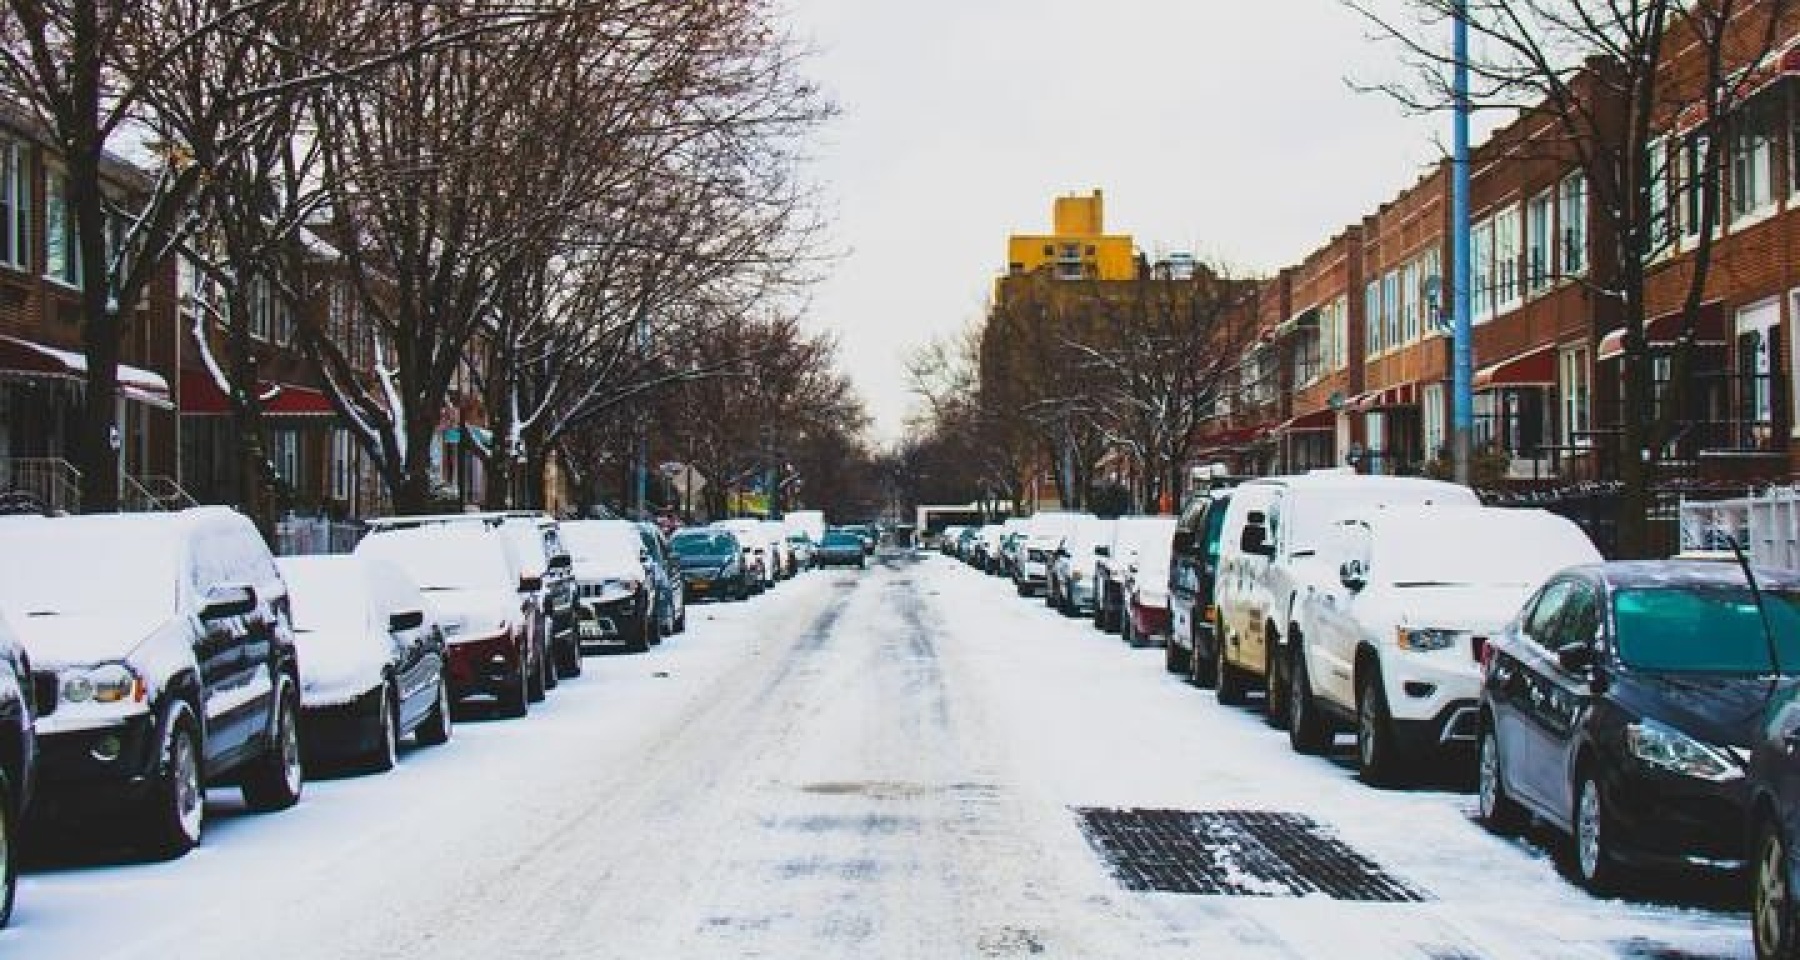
(1541, 623)
(1580, 620)
(703, 544)
(1705, 629)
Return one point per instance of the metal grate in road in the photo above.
(1243, 853)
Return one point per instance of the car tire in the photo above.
(1376, 760)
(516, 700)
(537, 685)
(1175, 659)
(9, 850)
(174, 812)
(436, 728)
(547, 655)
(274, 780)
(1772, 912)
(1127, 632)
(568, 655)
(1275, 684)
(1595, 865)
(681, 619)
(1233, 688)
(1020, 587)
(1206, 668)
(640, 636)
(1499, 813)
(386, 750)
(1308, 730)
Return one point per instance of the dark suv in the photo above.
(179, 675)
(18, 759)
(1193, 572)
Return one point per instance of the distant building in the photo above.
(1078, 247)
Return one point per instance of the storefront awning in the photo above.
(25, 358)
(1533, 368)
(1399, 395)
(1709, 330)
(201, 396)
(1325, 419)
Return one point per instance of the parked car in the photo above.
(179, 674)
(18, 759)
(1132, 538)
(1146, 614)
(1069, 585)
(1620, 707)
(800, 543)
(371, 661)
(758, 555)
(1043, 533)
(775, 534)
(1775, 825)
(712, 564)
(1194, 550)
(615, 597)
(841, 548)
(1271, 537)
(984, 552)
(947, 540)
(1388, 643)
(485, 602)
(665, 576)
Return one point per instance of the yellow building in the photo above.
(1079, 248)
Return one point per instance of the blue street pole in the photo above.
(1462, 367)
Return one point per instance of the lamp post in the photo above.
(1462, 366)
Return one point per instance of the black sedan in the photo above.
(712, 564)
(840, 548)
(18, 758)
(1620, 706)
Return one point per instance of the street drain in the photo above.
(1234, 853)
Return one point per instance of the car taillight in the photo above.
(1482, 652)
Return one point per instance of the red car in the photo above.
(1146, 608)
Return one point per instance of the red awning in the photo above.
(1231, 438)
(22, 357)
(1533, 368)
(1325, 419)
(1399, 395)
(1709, 329)
(200, 396)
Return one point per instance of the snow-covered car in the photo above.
(841, 548)
(1069, 586)
(484, 602)
(712, 564)
(1146, 614)
(1042, 533)
(1268, 544)
(1390, 643)
(775, 534)
(665, 576)
(180, 673)
(758, 558)
(615, 600)
(18, 759)
(1132, 538)
(371, 661)
(1194, 550)
(801, 543)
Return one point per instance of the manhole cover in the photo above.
(1234, 853)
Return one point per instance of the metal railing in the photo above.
(165, 491)
(304, 536)
(53, 481)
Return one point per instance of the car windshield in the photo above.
(1426, 549)
(86, 565)
(1705, 629)
(688, 545)
(1146, 535)
(445, 558)
(843, 540)
(613, 542)
(328, 594)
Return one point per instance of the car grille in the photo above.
(43, 692)
(1035, 556)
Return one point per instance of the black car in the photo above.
(840, 548)
(18, 759)
(1775, 826)
(1619, 707)
(1193, 570)
(712, 564)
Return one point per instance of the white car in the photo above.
(1389, 644)
(1070, 587)
(1043, 533)
(759, 554)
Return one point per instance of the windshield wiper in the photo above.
(43, 613)
(1430, 583)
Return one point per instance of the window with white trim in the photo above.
(1758, 360)
(1409, 302)
(1481, 275)
(1431, 414)
(1432, 308)
(1506, 259)
(62, 249)
(260, 313)
(1694, 183)
(15, 205)
(342, 467)
(1390, 308)
(1660, 231)
(1753, 132)
(1574, 216)
(1372, 316)
(1574, 385)
(1538, 212)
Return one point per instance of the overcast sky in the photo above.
(1223, 128)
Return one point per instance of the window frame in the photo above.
(1572, 214)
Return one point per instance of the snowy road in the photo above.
(879, 764)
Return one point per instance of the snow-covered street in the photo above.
(890, 763)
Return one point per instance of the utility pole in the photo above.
(1462, 367)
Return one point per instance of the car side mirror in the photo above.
(224, 602)
(1254, 540)
(530, 584)
(1352, 575)
(561, 561)
(1183, 542)
(406, 620)
(1102, 550)
(1577, 657)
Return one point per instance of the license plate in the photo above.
(589, 629)
(700, 586)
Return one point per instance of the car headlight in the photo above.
(1670, 749)
(1424, 639)
(106, 683)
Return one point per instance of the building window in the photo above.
(1431, 412)
(1307, 355)
(1390, 308)
(1694, 183)
(342, 465)
(1506, 259)
(62, 249)
(1758, 360)
(1537, 242)
(1372, 316)
(286, 444)
(1660, 231)
(1574, 386)
(1481, 274)
(1336, 327)
(1752, 157)
(15, 214)
(1409, 302)
(1431, 291)
(1574, 225)
(1375, 441)
(260, 321)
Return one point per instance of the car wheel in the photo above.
(1206, 668)
(568, 655)
(1594, 861)
(386, 752)
(1175, 659)
(9, 854)
(435, 729)
(537, 682)
(681, 619)
(1308, 731)
(516, 701)
(1233, 690)
(175, 809)
(1127, 630)
(1499, 812)
(1375, 759)
(1772, 901)
(1275, 684)
(547, 654)
(274, 780)
(640, 636)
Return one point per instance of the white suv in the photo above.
(1269, 543)
(1390, 645)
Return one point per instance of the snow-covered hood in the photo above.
(337, 664)
(600, 571)
(470, 614)
(1477, 608)
(81, 639)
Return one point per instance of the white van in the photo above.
(1272, 534)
